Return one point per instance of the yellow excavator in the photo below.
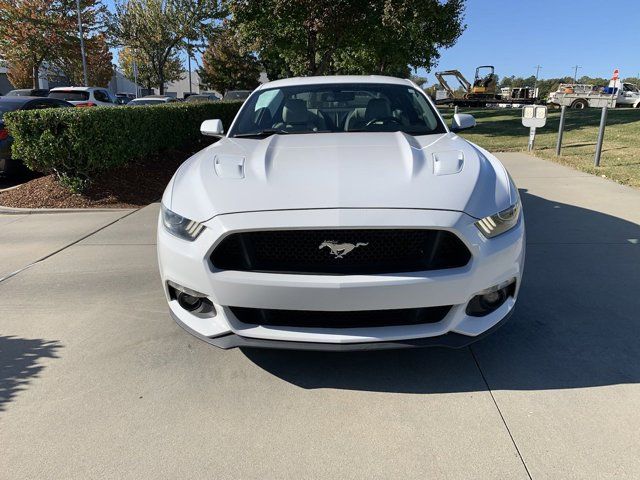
(483, 90)
(485, 83)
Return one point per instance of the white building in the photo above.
(181, 87)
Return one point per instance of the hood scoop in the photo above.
(229, 166)
(448, 162)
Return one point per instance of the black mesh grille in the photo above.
(356, 319)
(376, 251)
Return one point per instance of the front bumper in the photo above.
(493, 261)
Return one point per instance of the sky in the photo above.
(518, 35)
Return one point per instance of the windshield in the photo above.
(70, 95)
(366, 107)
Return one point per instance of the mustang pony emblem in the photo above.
(340, 249)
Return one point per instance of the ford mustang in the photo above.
(341, 213)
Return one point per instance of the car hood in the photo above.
(340, 170)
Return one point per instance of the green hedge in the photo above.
(81, 142)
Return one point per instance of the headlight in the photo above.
(180, 226)
(496, 224)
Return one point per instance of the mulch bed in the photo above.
(130, 186)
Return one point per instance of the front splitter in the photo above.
(448, 340)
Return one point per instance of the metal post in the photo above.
(455, 109)
(532, 138)
(603, 122)
(560, 130)
(84, 57)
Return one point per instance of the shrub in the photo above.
(81, 142)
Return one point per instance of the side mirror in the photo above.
(462, 121)
(212, 128)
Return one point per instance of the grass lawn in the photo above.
(501, 130)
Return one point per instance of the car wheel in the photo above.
(580, 104)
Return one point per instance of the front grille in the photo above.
(356, 319)
(374, 251)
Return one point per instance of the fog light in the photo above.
(190, 300)
(491, 299)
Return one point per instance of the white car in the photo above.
(84, 96)
(340, 213)
(152, 100)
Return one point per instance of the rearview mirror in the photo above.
(462, 121)
(212, 128)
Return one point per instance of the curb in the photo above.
(33, 211)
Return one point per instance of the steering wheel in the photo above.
(383, 120)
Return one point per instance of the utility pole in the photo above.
(84, 57)
(535, 84)
(135, 75)
(575, 73)
(189, 62)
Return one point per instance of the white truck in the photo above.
(617, 94)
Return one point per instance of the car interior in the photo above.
(295, 110)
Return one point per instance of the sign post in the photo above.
(533, 116)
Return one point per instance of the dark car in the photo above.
(202, 97)
(11, 104)
(237, 95)
(28, 92)
(124, 98)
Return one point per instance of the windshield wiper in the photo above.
(267, 132)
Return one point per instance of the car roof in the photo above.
(29, 90)
(21, 100)
(78, 89)
(333, 79)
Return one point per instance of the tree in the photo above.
(99, 62)
(33, 32)
(30, 30)
(20, 73)
(147, 76)
(159, 28)
(225, 66)
(316, 37)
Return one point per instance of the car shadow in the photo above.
(19, 363)
(576, 324)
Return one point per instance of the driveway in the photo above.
(97, 382)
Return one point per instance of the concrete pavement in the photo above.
(97, 382)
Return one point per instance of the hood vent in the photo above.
(229, 166)
(447, 163)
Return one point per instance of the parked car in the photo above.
(152, 100)
(11, 104)
(124, 98)
(202, 97)
(28, 92)
(237, 95)
(84, 96)
(341, 213)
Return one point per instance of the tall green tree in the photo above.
(317, 37)
(226, 65)
(159, 28)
